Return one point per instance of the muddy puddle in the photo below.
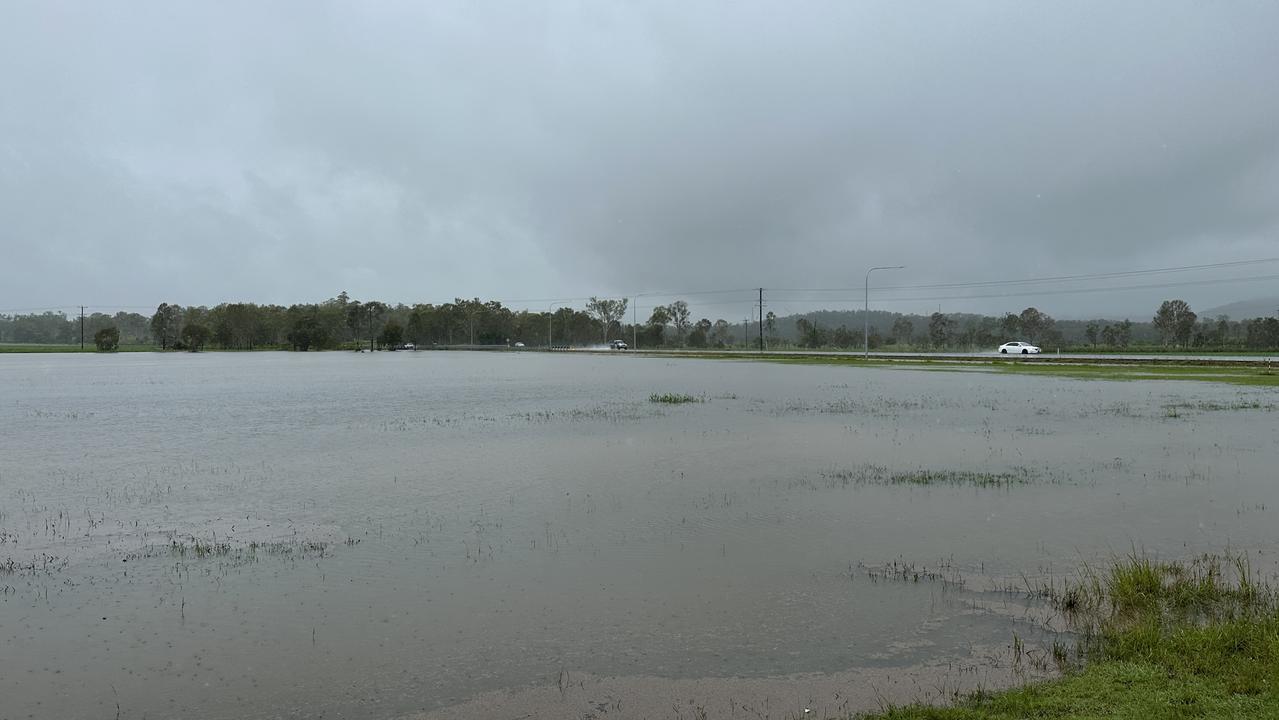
(521, 535)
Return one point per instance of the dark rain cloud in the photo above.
(417, 151)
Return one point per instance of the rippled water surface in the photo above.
(268, 535)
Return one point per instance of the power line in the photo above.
(932, 286)
(1068, 291)
(1056, 278)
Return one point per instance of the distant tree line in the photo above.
(55, 328)
(1174, 326)
(342, 321)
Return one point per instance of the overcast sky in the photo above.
(200, 152)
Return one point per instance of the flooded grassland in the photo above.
(467, 534)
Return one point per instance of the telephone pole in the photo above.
(81, 327)
(761, 319)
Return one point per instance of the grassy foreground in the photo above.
(1250, 376)
(50, 348)
(1156, 640)
(1261, 377)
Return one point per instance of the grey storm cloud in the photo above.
(284, 151)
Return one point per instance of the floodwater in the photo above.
(280, 535)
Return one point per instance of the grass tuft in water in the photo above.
(674, 398)
(878, 475)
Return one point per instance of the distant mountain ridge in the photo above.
(1244, 309)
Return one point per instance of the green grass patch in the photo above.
(1155, 370)
(50, 348)
(1251, 376)
(674, 398)
(1156, 640)
(878, 475)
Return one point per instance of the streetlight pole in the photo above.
(866, 309)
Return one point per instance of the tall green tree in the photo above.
(166, 323)
(1034, 324)
(1123, 333)
(1010, 326)
(657, 323)
(1091, 332)
(680, 319)
(939, 327)
(607, 312)
(700, 333)
(1175, 321)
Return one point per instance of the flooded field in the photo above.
(393, 535)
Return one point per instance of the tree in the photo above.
(1175, 321)
(844, 338)
(417, 327)
(1123, 333)
(1035, 326)
(1223, 329)
(165, 324)
(810, 334)
(657, 323)
(770, 327)
(392, 334)
(195, 335)
(722, 334)
(1109, 336)
(939, 329)
(903, 331)
(679, 315)
(1091, 332)
(308, 332)
(700, 333)
(1262, 333)
(107, 339)
(234, 324)
(607, 312)
(354, 317)
(1010, 325)
(365, 316)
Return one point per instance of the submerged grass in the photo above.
(879, 475)
(674, 398)
(1156, 640)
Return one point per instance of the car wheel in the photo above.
(1003, 352)
(1025, 352)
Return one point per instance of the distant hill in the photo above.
(1259, 307)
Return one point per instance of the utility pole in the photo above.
(746, 333)
(634, 326)
(550, 318)
(81, 327)
(866, 309)
(761, 319)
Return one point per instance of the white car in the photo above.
(1018, 348)
(618, 345)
